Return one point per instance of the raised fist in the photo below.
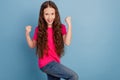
(28, 29)
(68, 20)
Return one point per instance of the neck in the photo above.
(49, 26)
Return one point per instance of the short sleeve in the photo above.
(35, 34)
(63, 29)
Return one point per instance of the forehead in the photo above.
(49, 9)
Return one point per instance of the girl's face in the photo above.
(49, 15)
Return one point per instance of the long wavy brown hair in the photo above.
(42, 46)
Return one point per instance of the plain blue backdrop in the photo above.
(95, 49)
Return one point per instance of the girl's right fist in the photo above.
(28, 29)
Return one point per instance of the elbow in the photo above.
(67, 43)
(31, 46)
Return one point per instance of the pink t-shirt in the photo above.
(52, 55)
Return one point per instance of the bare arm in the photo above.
(31, 43)
(68, 36)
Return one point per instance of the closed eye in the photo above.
(52, 13)
(46, 13)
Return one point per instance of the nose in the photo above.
(49, 16)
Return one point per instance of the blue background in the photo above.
(95, 49)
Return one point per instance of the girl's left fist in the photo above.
(68, 20)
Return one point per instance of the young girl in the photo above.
(49, 38)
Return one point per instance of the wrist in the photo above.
(27, 33)
(69, 25)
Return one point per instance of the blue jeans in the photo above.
(55, 71)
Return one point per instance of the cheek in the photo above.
(53, 17)
(45, 17)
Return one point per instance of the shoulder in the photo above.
(36, 29)
(63, 29)
(63, 26)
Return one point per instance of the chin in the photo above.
(50, 23)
